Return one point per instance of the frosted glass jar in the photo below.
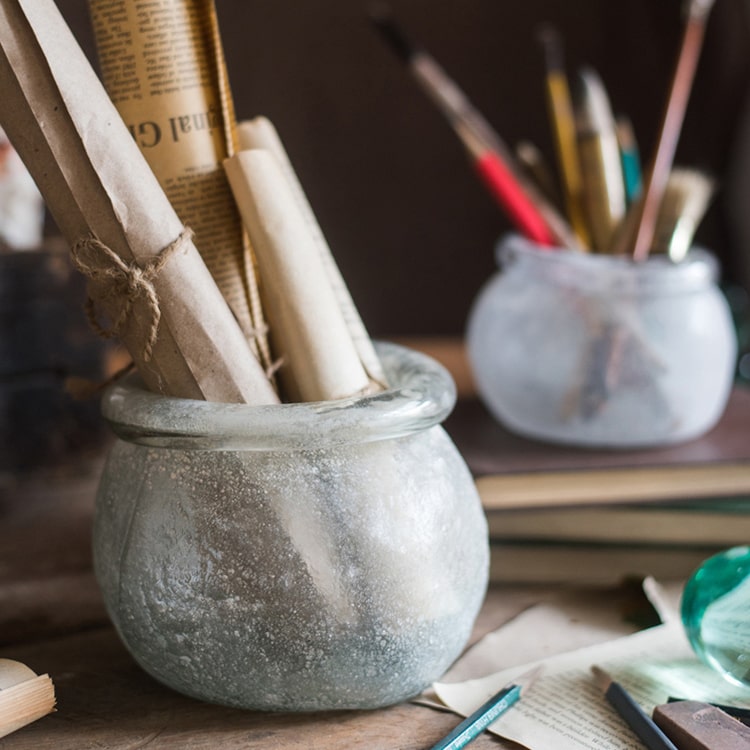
(298, 557)
(600, 351)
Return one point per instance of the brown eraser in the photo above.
(692, 725)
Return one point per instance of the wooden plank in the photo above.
(105, 700)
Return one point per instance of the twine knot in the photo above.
(127, 282)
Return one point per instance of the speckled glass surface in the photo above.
(296, 557)
(598, 350)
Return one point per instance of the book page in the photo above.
(565, 710)
(24, 696)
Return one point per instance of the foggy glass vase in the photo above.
(601, 351)
(298, 557)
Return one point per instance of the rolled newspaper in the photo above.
(163, 67)
(144, 271)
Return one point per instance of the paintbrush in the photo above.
(562, 119)
(526, 206)
(472, 726)
(501, 182)
(533, 164)
(636, 718)
(637, 241)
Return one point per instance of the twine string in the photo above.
(128, 282)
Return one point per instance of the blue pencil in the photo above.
(471, 727)
(631, 160)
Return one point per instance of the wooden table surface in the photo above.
(52, 619)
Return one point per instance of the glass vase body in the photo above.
(601, 351)
(294, 557)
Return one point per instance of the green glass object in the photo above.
(716, 613)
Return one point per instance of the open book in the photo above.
(24, 696)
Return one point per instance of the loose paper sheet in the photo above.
(260, 133)
(565, 710)
(563, 621)
(540, 632)
(310, 334)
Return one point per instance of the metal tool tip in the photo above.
(527, 679)
(602, 679)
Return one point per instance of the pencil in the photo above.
(472, 726)
(562, 118)
(480, 140)
(671, 125)
(630, 158)
(637, 719)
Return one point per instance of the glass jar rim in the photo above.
(594, 271)
(421, 394)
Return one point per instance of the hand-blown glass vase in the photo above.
(295, 557)
(600, 351)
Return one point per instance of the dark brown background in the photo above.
(412, 229)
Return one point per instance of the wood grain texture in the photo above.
(105, 700)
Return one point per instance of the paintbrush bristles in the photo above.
(380, 15)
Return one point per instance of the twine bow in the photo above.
(126, 281)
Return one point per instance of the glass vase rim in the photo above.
(421, 394)
(698, 269)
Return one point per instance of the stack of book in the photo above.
(561, 514)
